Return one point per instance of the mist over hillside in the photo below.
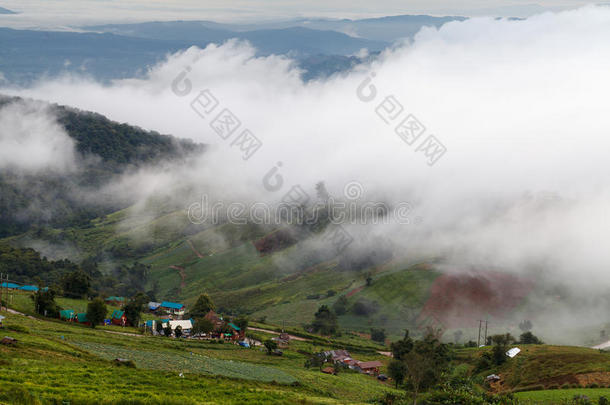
(473, 170)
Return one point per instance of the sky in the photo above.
(58, 13)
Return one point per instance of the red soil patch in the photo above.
(458, 300)
(355, 291)
(199, 255)
(275, 241)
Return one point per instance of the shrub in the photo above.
(603, 401)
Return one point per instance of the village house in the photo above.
(67, 315)
(370, 367)
(153, 306)
(82, 318)
(186, 325)
(172, 308)
(236, 332)
(118, 318)
(115, 301)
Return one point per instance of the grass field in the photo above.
(55, 361)
(562, 396)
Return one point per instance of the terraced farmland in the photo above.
(188, 363)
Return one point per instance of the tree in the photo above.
(340, 306)
(203, 305)
(76, 284)
(417, 366)
(44, 303)
(397, 370)
(528, 338)
(241, 323)
(369, 279)
(167, 330)
(203, 325)
(96, 311)
(178, 331)
(325, 321)
(159, 327)
(378, 335)
(133, 311)
(525, 326)
(270, 345)
(402, 347)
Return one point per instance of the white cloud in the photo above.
(520, 106)
(31, 140)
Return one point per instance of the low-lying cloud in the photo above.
(31, 140)
(520, 107)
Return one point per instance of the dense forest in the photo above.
(52, 199)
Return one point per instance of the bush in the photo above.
(603, 401)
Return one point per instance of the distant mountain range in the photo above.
(6, 11)
(321, 46)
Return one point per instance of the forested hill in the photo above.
(114, 142)
(47, 198)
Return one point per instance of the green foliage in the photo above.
(44, 303)
(242, 323)
(528, 338)
(202, 325)
(26, 265)
(270, 345)
(402, 347)
(397, 370)
(133, 311)
(325, 321)
(378, 335)
(364, 307)
(178, 331)
(96, 311)
(340, 306)
(203, 305)
(76, 284)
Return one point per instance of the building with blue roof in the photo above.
(172, 308)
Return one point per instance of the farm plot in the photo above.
(188, 363)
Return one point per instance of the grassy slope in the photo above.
(60, 361)
(546, 366)
(276, 286)
(561, 396)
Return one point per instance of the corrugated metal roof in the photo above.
(29, 288)
(66, 314)
(9, 285)
(172, 305)
(117, 314)
(234, 326)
